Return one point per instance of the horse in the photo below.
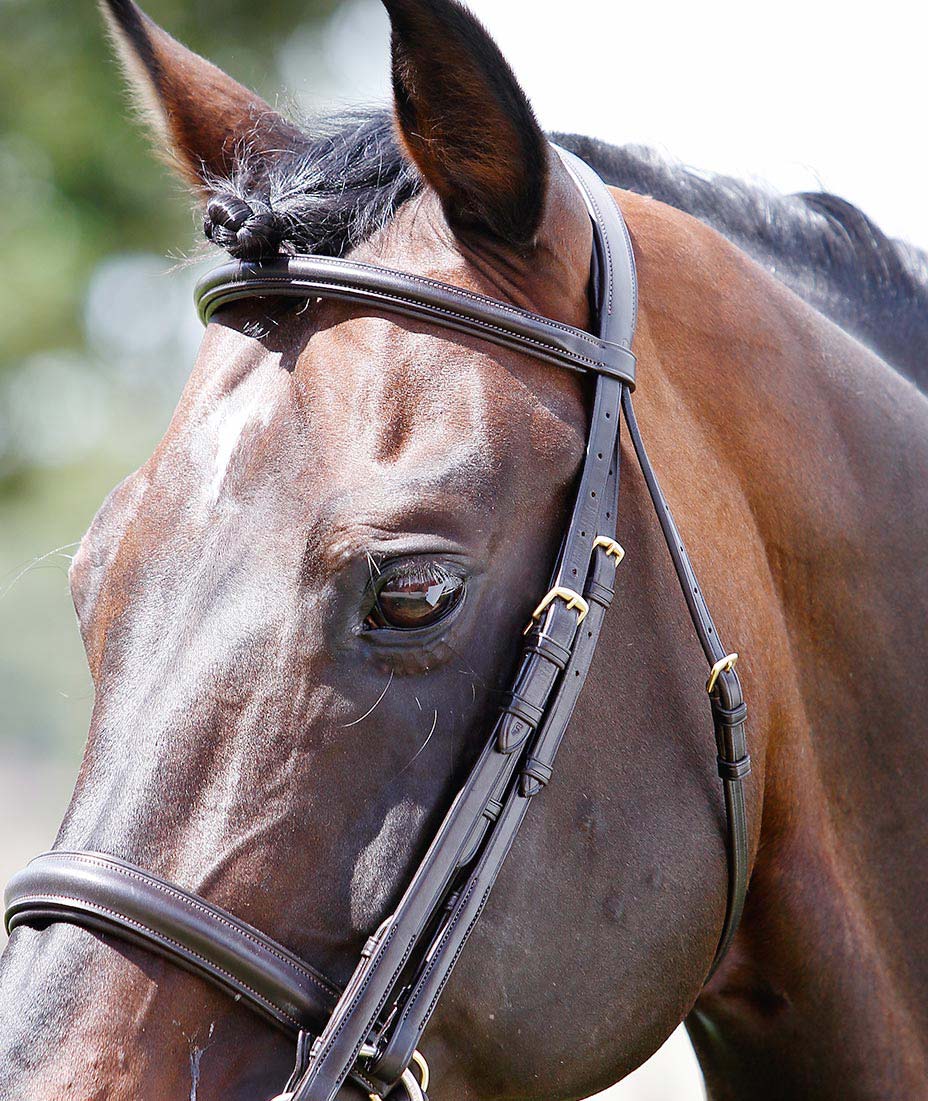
(301, 612)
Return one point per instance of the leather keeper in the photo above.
(492, 810)
(520, 707)
(599, 593)
(732, 718)
(545, 647)
(490, 813)
(735, 770)
(537, 770)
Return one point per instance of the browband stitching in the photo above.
(430, 308)
(436, 284)
(485, 299)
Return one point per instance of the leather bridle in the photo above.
(371, 1030)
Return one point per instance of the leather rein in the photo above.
(371, 1029)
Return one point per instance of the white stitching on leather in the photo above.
(205, 908)
(218, 295)
(153, 934)
(516, 311)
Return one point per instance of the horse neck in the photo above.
(790, 454)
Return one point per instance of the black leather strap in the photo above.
(590, 544)
(392, 966)
(414, 296)
(588, 552)
(92, 889)
(418, 1003)
(729, 711)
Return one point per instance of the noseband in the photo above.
(371, 1030)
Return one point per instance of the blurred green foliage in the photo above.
(77, 178)
(82, 194)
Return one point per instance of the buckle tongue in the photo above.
(612, 547)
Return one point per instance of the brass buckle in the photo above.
(610, 546)
(723, 665)
(572, 599)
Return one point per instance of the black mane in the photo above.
(340, 188)
(822, 247)
(335, 190)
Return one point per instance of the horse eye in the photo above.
(413, 597)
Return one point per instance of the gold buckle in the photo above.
(571, 599)
(610, 546)
(419, 1059)
(723, 665)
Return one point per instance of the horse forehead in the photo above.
(338, 376)
(346, 404)
(399, 399)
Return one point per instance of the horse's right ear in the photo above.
(466, 122)
(203, 119)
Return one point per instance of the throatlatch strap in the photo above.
(729, 711)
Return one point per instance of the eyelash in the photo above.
(411, 573)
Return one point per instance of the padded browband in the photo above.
(100, 892)
(417, 297)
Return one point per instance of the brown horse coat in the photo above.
(250, 741)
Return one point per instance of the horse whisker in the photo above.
(36, 562)
(373, 708)
(412, 759)
(372, 567)
(468, 669)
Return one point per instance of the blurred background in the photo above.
(97, 329)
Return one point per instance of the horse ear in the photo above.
(466, 122)
(202, 118)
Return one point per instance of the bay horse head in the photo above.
(301, 613)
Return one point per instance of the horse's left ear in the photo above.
(202, 118)
(466, 122)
